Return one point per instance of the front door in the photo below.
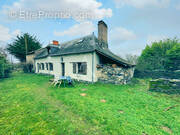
(63, 69)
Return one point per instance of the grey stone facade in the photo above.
(114, 75)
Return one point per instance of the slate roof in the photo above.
(82, 45)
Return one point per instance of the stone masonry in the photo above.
(168, 86)
(114, 75)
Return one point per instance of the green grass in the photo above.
(29, 105)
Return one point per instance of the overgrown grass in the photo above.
(29, 105)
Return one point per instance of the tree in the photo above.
(173, 58)
(3, 52)
(18, 46)
(132, 59)
(5, 67)
(155, 56)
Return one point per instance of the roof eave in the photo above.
(120, 62)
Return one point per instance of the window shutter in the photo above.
(40, 66)
(47, 66)
(74, 68)
(84, 68)
(52, 66)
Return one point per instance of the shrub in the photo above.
(5, 67)
(157, 74)
(160, 59)
(28, 68)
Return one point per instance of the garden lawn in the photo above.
(29, 105)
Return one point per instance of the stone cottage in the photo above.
(87, 59)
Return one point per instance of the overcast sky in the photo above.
(132, 23)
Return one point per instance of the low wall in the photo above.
(115, 75)
(169, 86)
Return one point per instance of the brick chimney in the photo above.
(103, 32)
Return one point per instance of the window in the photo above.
(50, 66)
(42, 66)
(81, 66)
(47, 66)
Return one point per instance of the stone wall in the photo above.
(115, 75)
(168, 86)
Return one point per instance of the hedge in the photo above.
(5, 68)
(157, 74)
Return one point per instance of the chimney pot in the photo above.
(55, 42)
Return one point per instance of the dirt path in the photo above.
(62, 110)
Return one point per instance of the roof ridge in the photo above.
(51, 45)
(76, 39)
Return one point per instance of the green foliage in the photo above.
(132, 59)
(173, 58)
(18, 49)
(157, 74)
(5, 68)
(159, 55)
(29, 105)
(165, 86)
(28, 68)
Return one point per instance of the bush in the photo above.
(28, 68)
(157, 74)
(159, 60)
(5, 67)
(134, 81)
(173, 58)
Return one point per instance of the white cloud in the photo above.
(16, 32)
(155, 38)
(178, 6)
(5, 33)
(122, 40)
(81, 29)
(93, 7)
(2, 44)
(143, 3)
(120, 34)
